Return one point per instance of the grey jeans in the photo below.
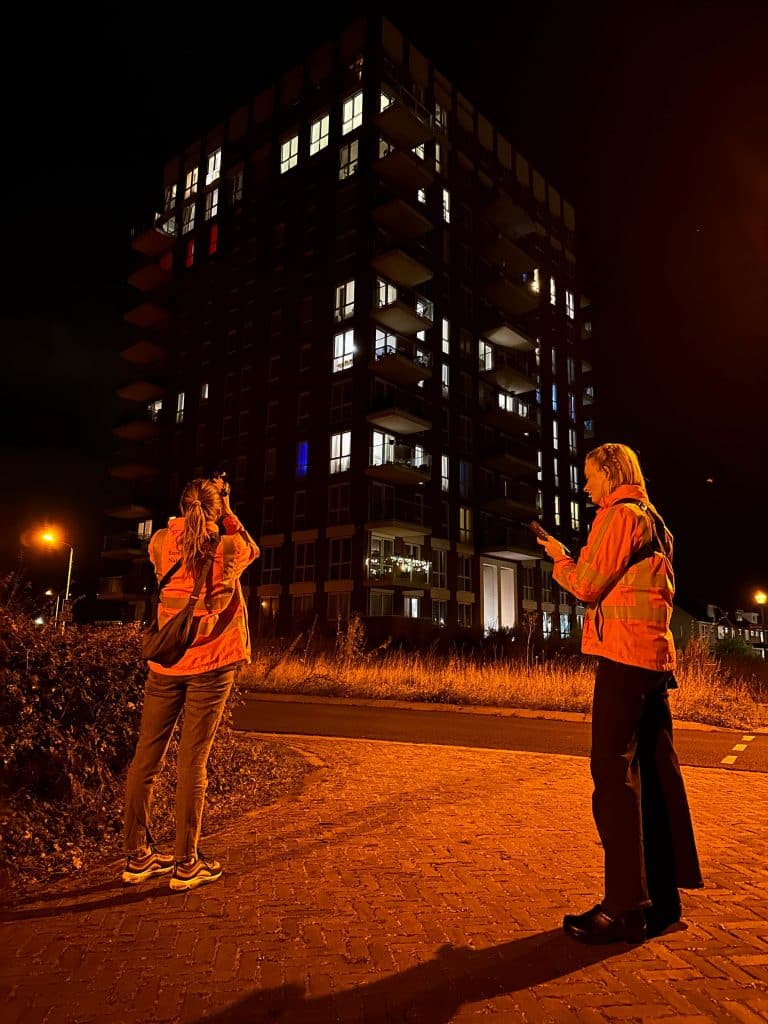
(202, 698)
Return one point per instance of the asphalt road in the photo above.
(695, 747)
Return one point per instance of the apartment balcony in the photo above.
(398, 364)
(503, 252)
(402, 170)
(589, 429)
(148, 315)
(509, 374)
(397, 517)
(585, 332)
(141, 391)
(506, 336)
(405, 126)
(137, 428)
(399, 464)
(153, 241)
(143, 353)
(505, 461)
(513, 299)
(522, 507)
(402, 310)
(123, 545)
(397, 570)
(152, 277)
(398, 266)
(402, 219)
(506, 419)
(503, 213)
(588, 397)
(514, 543)
(398, 416)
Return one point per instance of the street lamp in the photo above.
(761, 598)
(52, 538)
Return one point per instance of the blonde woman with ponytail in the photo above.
(624, 576)
(198, 684)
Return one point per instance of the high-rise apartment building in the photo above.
(362, 302)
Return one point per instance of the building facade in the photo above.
(362, 303)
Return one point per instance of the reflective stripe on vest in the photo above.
(205, 602)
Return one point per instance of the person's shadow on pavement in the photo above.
(430, 993)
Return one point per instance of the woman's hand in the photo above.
(553, 548)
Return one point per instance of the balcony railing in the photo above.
(400, 455)
(398, 569)
(402, 309)
(402, 349)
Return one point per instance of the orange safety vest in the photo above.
(221, 617)
(629, 601)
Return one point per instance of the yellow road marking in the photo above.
(728, 760)
(740, 746)
(747, 739)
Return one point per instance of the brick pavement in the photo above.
(404, 883)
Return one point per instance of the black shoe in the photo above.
(661, 916)
(597, 928)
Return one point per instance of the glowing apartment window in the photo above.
(446, 336)
(446, 206)
(421, 195)
(213, 171)
(211, 203)
(348, 160)
(441, 118)
(420, 151)
(555, 434)
(573, 474)
(319, 131)
(344, 304)
(554, 398)
(575, 516)
(570, 305)
(385, 100)
(485, 355)
(190, 183)
(289, 153)
(557, 510)
(445, 379)
(343, 351)
(444, 478)
(552, 292)
(536, 281)
(213, 239)
(438, 158)
(411, 607)
(386, 293)
(540, 463)
(204, 391)
(189, 253)
(556, 471)
(352, 113)
(465, 524)
(188, 221)
(341, 447)
(572, 440)
(154, 409)
(144, 529)
(180, 407)
(302, 458)
(170, 198)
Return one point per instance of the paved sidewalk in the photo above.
(405, 883)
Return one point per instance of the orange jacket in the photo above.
(222, 636)
(629, 608)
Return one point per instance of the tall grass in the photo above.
(708, 692)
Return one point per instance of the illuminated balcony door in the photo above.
(499, 597)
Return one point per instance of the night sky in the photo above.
(652, 123)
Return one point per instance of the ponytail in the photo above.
(200, 505)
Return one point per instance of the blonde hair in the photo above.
(619, 463)
(200, 503)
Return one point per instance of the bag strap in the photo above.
(208, 561)
(171, 571)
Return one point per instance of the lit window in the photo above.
(352, 114)
(438, 158)
(446, 206)
(302, 458)
(419, 151)
(555, 434)
(556, 471)
(441, 118)
(180, 407)
(319, 131)
(546, 624)
(552, 292)
(540, 463)
(446, 336)
(421, 195)
(557, 510)
(343, 351)
(170, 198)
(574, 477)
(144, 529)
(347, 160)
(536, 281)
(386, 293)
(572, 406)
(190, 183)
(341, 447)
(385, 100)
(439, 612)
(570, 305)
(213, 239)
(485, 355)
(289, 153)
(565, 625)
(444, 478)
(411, 607)
(465, 525)
(211, 204)
(154, 409)
(213, 172)
(572, 440)
(385, 148)
(575, 516)
(554, 398)
(188, 222)
(189, 253)
(204, 391)
(344, 305)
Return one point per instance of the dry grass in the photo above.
(708, 693)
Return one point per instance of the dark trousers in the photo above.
(639, 803)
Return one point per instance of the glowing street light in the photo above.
(53, 538)
(761, 598)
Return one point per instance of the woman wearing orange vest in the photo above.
(624, 575)
(198, 684)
